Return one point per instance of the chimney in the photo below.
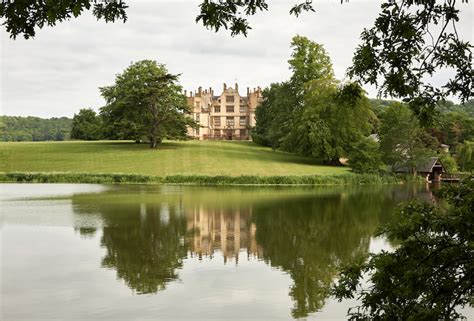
(185, 93)
(248, 90)
(200, 90)
(236, 87)
(225, 87)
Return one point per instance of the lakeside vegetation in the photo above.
(112, 178)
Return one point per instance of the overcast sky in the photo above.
(59, 71)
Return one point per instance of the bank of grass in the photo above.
(188, 158)
(191, 162)
(104, 178)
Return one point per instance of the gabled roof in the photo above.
(429, 164)
(423, 167)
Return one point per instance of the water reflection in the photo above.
(148, 232)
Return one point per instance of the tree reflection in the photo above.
(144, 242)
(310, 237)
(306, 233)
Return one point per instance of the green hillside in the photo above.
(171, 158)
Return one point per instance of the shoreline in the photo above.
(277, 180)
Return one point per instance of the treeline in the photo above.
(315, 115)
(17, 129)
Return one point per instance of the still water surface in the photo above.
(137, 252)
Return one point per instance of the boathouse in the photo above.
(431, 169)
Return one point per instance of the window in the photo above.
(243, 121)
(243, 133)
(217, 121)
(217, 109)
(229, 99)
(197, 117)
(229, 108)
(243, 109)
(229, 121)
(217, 132)
(197, 131)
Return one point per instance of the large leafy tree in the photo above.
(429, 276)
(331, 123)
(86, 125)
(311, 113)
(311, 69)
(146, 103)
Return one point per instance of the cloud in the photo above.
(59, 71)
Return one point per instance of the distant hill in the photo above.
(378, 105)
(17, 129)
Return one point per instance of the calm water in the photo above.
(134, 252)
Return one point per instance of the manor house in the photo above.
(229, 116)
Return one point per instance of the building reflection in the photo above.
(228, 231)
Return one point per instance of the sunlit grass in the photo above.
(189, 158)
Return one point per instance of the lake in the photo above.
(135, 252)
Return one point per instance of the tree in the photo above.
(274, 114)
(146, 103)
(401, 138)
(332, 121)
(464, 156)
(429, 276)
(448, 162)
(365, 157)
(311, 113)
(277, 116)
(86, 125)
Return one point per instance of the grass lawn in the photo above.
(170, 158)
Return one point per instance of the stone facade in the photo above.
(229, 116)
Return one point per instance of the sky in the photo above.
(60, 70)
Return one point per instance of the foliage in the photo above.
(15, 128)
(448, 162)
(454, 127)
(309, 62)
(396, 56)
(274, 115)
(311, 114)
(365, 157)
(465, 156)
(23, 17)
(86, 125)
(429, 276)
(331, 122)
(146, 103)
(103, 178)
(401, 138)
